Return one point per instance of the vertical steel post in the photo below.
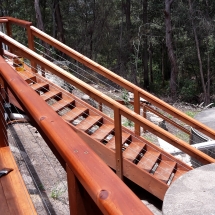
(118, 142)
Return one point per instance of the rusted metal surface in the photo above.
(89, 169)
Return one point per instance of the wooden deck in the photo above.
(14, 197)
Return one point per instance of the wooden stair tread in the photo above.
(164, 170)
(59, 105)
(75, 113)
(38, 86)
(178, 173)
(88, 122)
(133, 150)
(102, 132)
(51, 94)
(111, 143)
(14, 197)
(148, 160)
(27, 76)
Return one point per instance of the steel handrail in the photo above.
(110, 194)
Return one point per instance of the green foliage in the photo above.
(189, 91)
(125, 97)
(128, 123)
(109, 33)
(56, 193)
(191, 113)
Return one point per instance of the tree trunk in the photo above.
(171, 55)
(199, 55)
(40, 24)
(208, 80)
(150, 62)
(128, 14)
(58, 20)
(145, 47)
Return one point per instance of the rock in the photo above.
(155, 119)
(131, 95)
(89, 100)
(163, 125)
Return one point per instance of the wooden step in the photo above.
(51, 94)
(75, 113)
(59, 105)
(89, 122)
(149, 159)
(14, 196)
(164, 170)
(111, 143)
(178, 173)
(38, 86)
(133, 150)
(103, 132)
(27, 76)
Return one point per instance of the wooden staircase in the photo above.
(144, 163)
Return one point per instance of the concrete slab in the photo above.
(192, 193)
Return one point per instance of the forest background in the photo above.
(167, 47)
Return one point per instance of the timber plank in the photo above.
(51, 94)
(27, 76)
(111, 143)
(133, 150)
(88, 122)
(62, 104)
(75, 113)
(178, 173)
(3, 203)
(148, 160)
(164, 170)
(103, 132)
(15, 193)
(38, 86)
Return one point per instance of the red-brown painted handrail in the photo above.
(92, 92)
(110, 194)
(138, 92)
(16, 21)
(3, 20)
